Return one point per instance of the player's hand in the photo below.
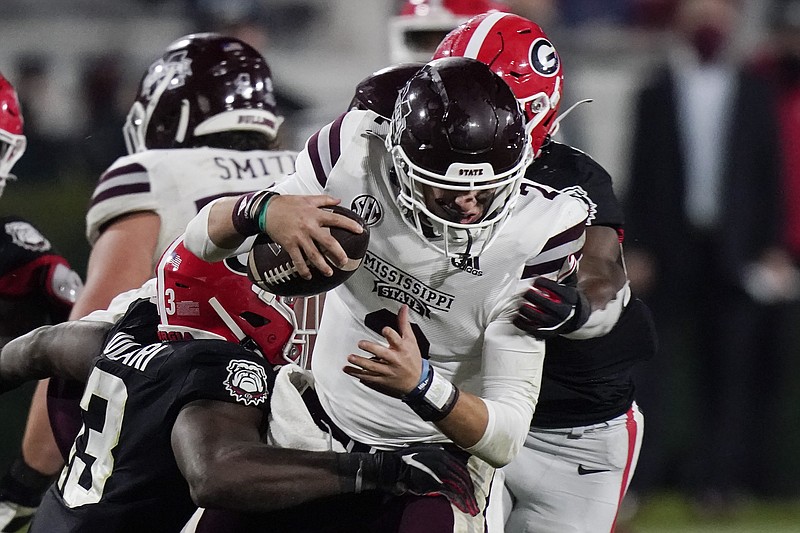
(550, 309)
(395, 368)
(301, 228)
(428, 470)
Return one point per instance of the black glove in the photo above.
(550, 309)
(422, 470)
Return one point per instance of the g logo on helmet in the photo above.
(247, 382)
(543, 57)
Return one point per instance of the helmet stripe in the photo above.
(479, 35)
(165, 258)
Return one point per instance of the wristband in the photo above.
(433, 398)
(358, 472)
(249, 213)
(424, 381)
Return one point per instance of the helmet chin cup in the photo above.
(450, 238)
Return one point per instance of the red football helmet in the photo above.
(204, 83)
(520, 52)
(200, 300)
(421, 25)
(12, 141)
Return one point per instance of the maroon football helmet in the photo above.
(519, 51)
(201, 300)
(378, 91)
(456, 126)
(204, 83)
(12, 141)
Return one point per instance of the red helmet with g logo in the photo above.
(519, 51)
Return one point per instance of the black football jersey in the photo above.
(567, 169)
(589, 381)
(64, 396)
(121, 475)
(37, 286)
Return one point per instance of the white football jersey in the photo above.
(177, 183)
(461, 310)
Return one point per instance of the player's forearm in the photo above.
(601, 275)
(210, 235)
(466, 423)
(65, 350)
(220, 226)
(16, 366)
(259, 479)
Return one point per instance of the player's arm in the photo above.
(491, 426)
(601, 275)
(293, 221)
(120, 260)
(219, 450)
(66, 350)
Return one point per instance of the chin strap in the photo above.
(557, 122)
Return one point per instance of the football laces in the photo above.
(280, 274)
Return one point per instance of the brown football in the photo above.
(270, 267)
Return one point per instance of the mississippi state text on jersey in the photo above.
(461, 308)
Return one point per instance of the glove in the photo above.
(550, 309)
(429, 470)
(422, 470)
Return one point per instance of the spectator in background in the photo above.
(44, 147)
(781, 62)
(704, 244)
(247, 20)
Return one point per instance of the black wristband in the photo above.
(249, 210)
(358, 471)
(434, 398)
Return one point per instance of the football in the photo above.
(270, 268)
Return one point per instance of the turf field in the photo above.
(674, 513)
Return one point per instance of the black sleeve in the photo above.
(227, 372)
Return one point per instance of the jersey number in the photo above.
(90, 463)
(377, 320)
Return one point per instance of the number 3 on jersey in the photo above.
(90, 463)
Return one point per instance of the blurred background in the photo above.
(76, 65)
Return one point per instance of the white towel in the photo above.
(290, 423)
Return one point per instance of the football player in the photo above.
(37, 286)
(423, 330)
(586, 432)
(170, 425)
(203, 125)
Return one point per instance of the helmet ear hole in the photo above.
(254, 319)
